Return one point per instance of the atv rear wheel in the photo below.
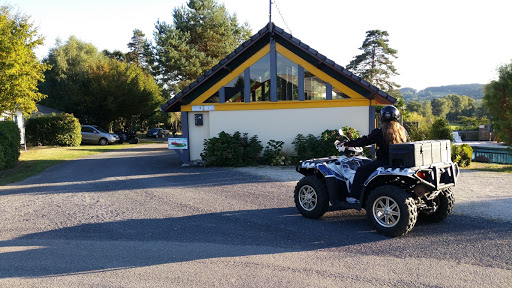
(391, 210)
(311, 197)
(445, 202)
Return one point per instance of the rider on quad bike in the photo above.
(408, 180)
(390, 133)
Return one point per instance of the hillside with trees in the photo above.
(475, 91)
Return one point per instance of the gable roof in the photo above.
(43, 110)
(257, 42)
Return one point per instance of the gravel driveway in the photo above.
(136, 218)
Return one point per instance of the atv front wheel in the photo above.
(391, 210)
(311, 197)
(445, 202)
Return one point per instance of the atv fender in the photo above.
(386, 172)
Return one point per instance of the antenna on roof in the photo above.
(270, 15)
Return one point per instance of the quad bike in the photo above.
(417, 182)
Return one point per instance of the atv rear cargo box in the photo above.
(419, 153)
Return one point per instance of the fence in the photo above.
(492, 155)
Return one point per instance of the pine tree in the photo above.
(140, 50)
(374, 64)
(202, 34)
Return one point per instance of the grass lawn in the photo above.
(505, 168)
(37, 159)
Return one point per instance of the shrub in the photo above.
(462, 154)
(322, 146)
(9, 144)
(231, 150)
(306, 147)
(273, 154)
(441, 130)
(54, 130)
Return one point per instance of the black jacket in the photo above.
(375, 137)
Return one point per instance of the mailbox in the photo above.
(198, 119)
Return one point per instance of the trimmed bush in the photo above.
(231, 150)
(53, 130)
(273, 154)
(462, 154)
(9, 144)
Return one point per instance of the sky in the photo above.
(438, 42)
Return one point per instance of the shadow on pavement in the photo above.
(144, 242)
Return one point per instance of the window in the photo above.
(314, 87)
(87, 130)
(287, 79)
(213, 99)
(337, 94)
(260, 79)
(287, 84)
(234, 89)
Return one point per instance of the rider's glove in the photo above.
(339, 145)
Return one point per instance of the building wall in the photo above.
(275, 124)
(17, 117)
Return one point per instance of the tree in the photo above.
(413, 106)
(97, 89)
(140, 50)
(116, 54)
(427, 109)
(66, 79)
(202, 34)
(498, 100)
(374, 64)
(441, 130)
(441, 107)
(461, 106)
(117, 90)
(20, 71)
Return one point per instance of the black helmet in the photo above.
(389, 113)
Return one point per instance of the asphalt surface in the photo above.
(136, 218)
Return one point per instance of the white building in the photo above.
(274, 86)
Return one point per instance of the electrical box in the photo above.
(198, 119)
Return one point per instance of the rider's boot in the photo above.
(352, 200)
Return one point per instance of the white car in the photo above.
(93, 134)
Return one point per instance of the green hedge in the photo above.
(228, 150)
(9, 144)
(53, 130)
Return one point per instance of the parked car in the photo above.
(93, 134)
(155, 133)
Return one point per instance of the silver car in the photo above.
(93, 134)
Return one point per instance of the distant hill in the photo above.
(475, 91)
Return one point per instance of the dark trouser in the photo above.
(362, 173)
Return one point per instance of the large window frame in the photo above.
(288, 81)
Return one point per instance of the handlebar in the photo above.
(341, 148)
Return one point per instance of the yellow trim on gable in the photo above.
(319, 73)
(264, 105)
(238, 70)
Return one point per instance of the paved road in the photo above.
(135, 218)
